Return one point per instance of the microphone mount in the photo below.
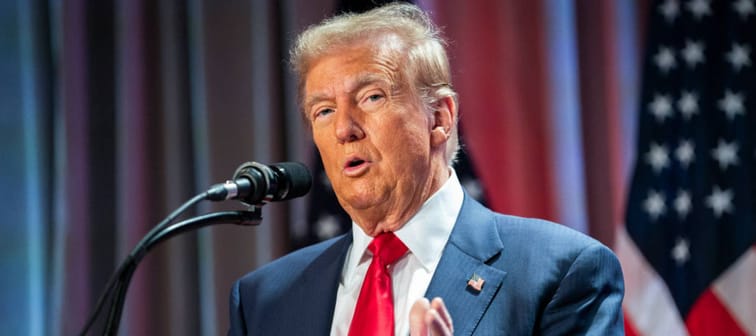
(268, 181)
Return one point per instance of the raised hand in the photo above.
(430, 318)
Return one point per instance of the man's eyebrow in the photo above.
(312, 100)
(362, 80)
(368, 79)
(373, 81)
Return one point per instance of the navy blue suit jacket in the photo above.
(540, 278)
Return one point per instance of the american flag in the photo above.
(476, 282)
(689, 260)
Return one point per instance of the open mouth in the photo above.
(354, 163)
(355, 167)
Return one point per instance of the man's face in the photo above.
(372, 134)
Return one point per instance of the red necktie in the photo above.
(374, 313)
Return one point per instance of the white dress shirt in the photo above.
(425, 236)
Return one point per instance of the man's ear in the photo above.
(444, 115)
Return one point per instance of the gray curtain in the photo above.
(116, 112)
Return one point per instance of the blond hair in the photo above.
(427, 64)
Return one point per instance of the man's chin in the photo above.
(361, 204)
(357, 204)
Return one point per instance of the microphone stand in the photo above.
(163, 231)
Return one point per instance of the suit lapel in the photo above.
(473, 244)
(316, 296)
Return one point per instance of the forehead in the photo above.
(349, 67)
(377, 47)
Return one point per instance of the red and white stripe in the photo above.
(649, 308)
(543, 150)
(727, 308)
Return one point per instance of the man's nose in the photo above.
(348, 128)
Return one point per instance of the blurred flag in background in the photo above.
(688, 256)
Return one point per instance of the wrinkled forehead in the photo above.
(382, 44)
(385, 48)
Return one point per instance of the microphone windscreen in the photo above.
(298, 176)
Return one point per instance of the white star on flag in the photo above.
(657, 157)
(665, 59)
(744, 8)
(473, 188)
(726, 154)
(669, 9)
(682, 203)
(681, 251)
(661, 107)
(720, 201)
(688, 104)
(732, 104)
(693, 53)
(699, 8)
(327, 226)
(690, 204)
(685, 153)
(654, 204)
(739, 56)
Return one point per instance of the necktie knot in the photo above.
(387, 248)
(374, 312)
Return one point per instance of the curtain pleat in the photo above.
(118, 111)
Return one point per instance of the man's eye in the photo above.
(375, 97)
(372, 100)
(322, 112)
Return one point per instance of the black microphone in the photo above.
(255, 183)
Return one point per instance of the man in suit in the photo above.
(376, 91)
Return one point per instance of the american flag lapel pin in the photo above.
(476, 282)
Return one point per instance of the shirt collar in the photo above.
(425, 234)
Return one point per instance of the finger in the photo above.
(436, 324)
(438, 305)
(418, 327)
